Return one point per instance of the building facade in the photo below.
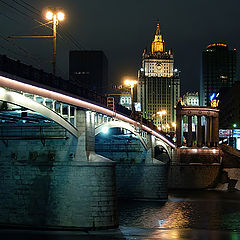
(125, 100)
(89, 69)
(229, 105)
(191, 99)
(158, 83)
(219, 69)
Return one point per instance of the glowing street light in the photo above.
(174, 125)
(49, 15)
(54, 16)
(60, 16)
(161, 113)
(105, 130)
(131, 83)
(168, 127)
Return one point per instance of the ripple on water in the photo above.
(199, 210)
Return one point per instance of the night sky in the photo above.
(122, 29)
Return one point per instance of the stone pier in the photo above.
(138, 174)
(58, 183)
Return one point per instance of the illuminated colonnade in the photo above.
(211, 116)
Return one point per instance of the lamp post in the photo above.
(131, 83)
(55, 16)
(161, 113)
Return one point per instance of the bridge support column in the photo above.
(189, 139)
(61, 185)
(86, 140)
(199, 131)
(85, 151)
(150, 149)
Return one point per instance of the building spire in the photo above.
(158, 30)
(158, 42)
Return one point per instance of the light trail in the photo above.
(13, 84)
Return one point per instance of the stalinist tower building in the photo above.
(158, 84)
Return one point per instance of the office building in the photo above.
(219, 69)
(89, 69)
(158, 86)
(229, 105)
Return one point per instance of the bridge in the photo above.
(65, 158)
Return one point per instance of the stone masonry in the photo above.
(59, 184)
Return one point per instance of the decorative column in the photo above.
(211, 131)
(199, 131)
(206, 137)
(189, 139)
(215, 132)
(179, 125)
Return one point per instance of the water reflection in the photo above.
(196, 210)
(178, 234)
(185, 216)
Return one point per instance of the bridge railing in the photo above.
(20, 69)
(35, 75)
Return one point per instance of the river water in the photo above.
(213, 210)
(186, 215)
(196, 215)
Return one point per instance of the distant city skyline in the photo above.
(122, 30)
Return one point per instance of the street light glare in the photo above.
(55, 15)
(60, 16)
(49, 15)
(105, 130)
(163, 112)
(130, 82)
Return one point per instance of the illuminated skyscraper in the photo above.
(158, 83)
(219, 69)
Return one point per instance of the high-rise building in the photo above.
(158, 83)
(219, 69)
(229, 105)
(89, 69)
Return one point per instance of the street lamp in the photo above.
(174, 126)
(54, 15)
(131, 83)
(161, 113)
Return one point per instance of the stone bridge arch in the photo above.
(161, 143)
(120, 124)
(150, 142)
(22, 101)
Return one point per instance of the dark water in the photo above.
(202, 215)
(209, 210)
